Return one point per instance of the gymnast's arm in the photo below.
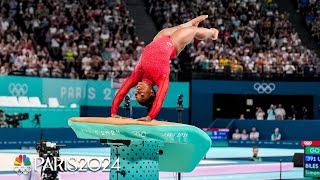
(163, 85)
(124, 89)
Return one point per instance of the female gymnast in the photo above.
(153, 67)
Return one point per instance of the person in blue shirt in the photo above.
(271, 113)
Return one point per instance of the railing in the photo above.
(189, 75)
(255, 76)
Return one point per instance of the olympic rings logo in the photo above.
(140, 133)
(307, 143)
(22, 169)
(264, 88)
(18, 89)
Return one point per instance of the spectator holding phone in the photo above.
(270, 112)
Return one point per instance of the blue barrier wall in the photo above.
(50, 117)
(290, 130)
(202, 95)
(94, 97)
(169, 114)
(81, 92)
(16, 138)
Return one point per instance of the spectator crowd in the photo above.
(256, 40)
(87, 39)
(95, 39)
(277, 112)
(310, 9)
(254, 135)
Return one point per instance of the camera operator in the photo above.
(2, 119)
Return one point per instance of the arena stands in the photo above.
(256, 41)
(96, 40)
(71, 39)
(310, 9)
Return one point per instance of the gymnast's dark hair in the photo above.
(149, 102)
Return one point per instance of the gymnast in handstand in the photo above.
(153, 67)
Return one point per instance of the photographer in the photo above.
(2, 119)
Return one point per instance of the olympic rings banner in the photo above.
(81, 92)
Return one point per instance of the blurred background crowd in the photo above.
(90, 39)
(87, 39)
(256, 40)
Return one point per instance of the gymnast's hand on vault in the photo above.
(116, 116)
(147, 119)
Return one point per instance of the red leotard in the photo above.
(154, 68)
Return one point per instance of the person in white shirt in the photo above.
(289, 68)
(254, 135)
(260, 114)
(244, 135)
(236, 135)
(280, 112)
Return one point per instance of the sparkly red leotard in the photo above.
(154, 68)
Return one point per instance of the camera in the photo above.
(127, 98)
(13, 120)
(48, 150)
(180, 100)
(127, 102)
(37, 119)
(45, 148)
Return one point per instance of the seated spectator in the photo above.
(236, 135)
(255, 156)
(271, 113)
(241, 117)
(280, 112)
(276, 136)
(260, 114)
(254, 135)
(244, 135)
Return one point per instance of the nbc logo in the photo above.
(22, 164)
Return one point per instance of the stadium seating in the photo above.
(24, 101)
(53, 102)
(35, 102)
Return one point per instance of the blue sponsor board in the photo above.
(81, 92)
(265, 144)
(27, 138)
(217, 133)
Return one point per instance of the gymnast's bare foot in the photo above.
(197, 20)
(215, 33)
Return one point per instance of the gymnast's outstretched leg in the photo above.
(168, 31)
(184, 36)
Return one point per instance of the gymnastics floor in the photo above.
(220, 163)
